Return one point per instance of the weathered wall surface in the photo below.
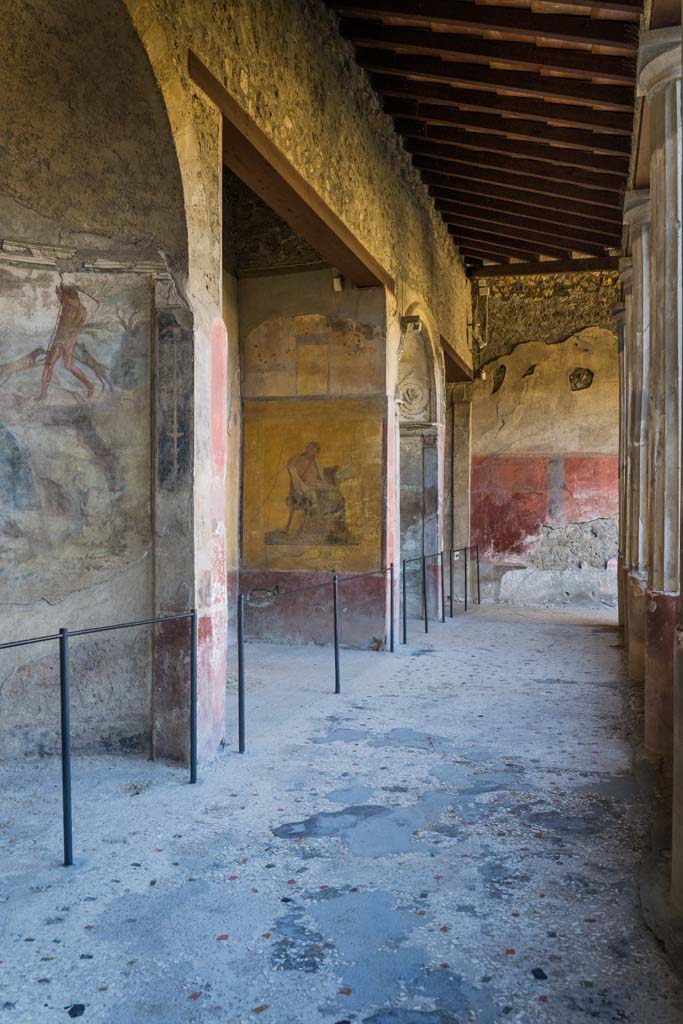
(285, 63)
(544, 501)
(314, 402)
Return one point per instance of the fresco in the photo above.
(74, 429)
(313, 484)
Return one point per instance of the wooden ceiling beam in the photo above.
(572, 266)
(444, 15)
(474, 243)
(517, 164)
(507, 227)
(630, 10)
(510, 127)
(480, 181)
(501, 205)
(569, 114)
(519, 240)
(475, 76)
(493, 194)
(559, 156)
(472, 50)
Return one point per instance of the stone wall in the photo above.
(545, 423)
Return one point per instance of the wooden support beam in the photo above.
(570, 114)
(503, 239)
(446, 16)
(254, 158)
(517, 183)
(493, 207)
(516, 164)
(629, 10)
(559, 156)
(547, 241)
(472, 50)
(572, 266)
(474, 76)
(448, 124)
(494, 193)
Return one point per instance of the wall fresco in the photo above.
(313, 484)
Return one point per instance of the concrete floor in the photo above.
(455, 838)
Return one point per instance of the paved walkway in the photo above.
(455, 838)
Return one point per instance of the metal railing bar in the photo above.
(364, 575)
(126, 625)
(274, 595)
(31, 640)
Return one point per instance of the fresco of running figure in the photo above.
(74, 428)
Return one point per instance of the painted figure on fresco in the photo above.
(71, 319)
(315, 497)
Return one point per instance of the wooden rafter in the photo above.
(518, 114)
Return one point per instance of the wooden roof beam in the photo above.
(493, 194)
(565, 192)
(501, 205)
(446, 16)
(560, 156)
(502, 227)
(505, 238)
(515, 162)
(476, 76)
(571, 266)
(510, 127)
(570, 114)
(471, 49)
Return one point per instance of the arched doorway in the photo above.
(420, 461)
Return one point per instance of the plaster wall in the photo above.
(314, 453)
(544, 502)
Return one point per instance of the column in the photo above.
(637, 218)
(626, 277)
(659, 80)
(619, 313)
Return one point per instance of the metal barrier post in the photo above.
(450, 580)
(443, 588)
(466, 581)
(392, 609)
(404, 604)
(335, 602)
(424, 592)
(478, 580)
(66, 746)
(193, 696)
(240, 673)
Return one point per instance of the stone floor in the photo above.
(455, 838)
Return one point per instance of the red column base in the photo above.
(677, 818)
(636, 627)
(661, 615)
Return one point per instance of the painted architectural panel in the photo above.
(313, 484)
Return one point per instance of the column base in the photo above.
(636, 627)
(624, 575)
(677, 808)
(661, 616)
(621, 592)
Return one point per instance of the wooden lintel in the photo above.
(254, 158)
(546, 267)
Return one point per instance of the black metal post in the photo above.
(67, 817)
(240, 673)
(193, 695)
(424, 592)
(450, 580)
(443, 588)
(392, 608)
(478, 580)
(466, 581)
(335, 601)
(404, 602)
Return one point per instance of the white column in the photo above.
(637, 217)
(619, 313)
(626, 276)
(659, 80)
